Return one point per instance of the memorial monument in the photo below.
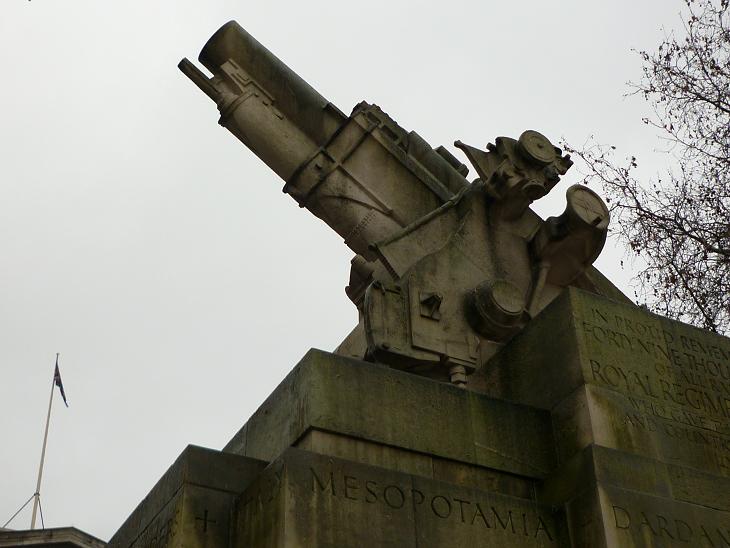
(497, 390)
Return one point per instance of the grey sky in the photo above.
(159, 256)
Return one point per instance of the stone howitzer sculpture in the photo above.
(446, 270)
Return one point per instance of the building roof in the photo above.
(61, 537)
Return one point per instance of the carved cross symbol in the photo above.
(205, 520)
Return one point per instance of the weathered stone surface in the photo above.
(305, 499)
(596, 464)
(367, 452)
(446, 273)
(618, 376)
(463, 516)
(420, 464)
(446, 270)
(622, 445)
(191, 504)
(641, 416)
(633, 520)
(615, 499)
(387, 407)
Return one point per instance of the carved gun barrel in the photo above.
(447, 270)
(343, 169)
(264, 103)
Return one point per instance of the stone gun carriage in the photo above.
(446, 269)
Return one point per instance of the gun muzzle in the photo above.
(363, 175)
(273, 111)
(198, 78)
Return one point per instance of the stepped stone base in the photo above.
(600, 425)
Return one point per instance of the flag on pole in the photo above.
(59, 383)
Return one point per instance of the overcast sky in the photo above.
(158, 255)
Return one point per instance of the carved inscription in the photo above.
(159, 533)
(670, 528)
(263, 494)
(441, 506)
(677, 385)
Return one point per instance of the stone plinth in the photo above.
(599, 426)
(191, 504)
(381, 416)
(640, 408)
(308, 499)
(362, 455)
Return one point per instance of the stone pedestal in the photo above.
(309, 499)
(600, 425)
(641, 417)
(191, 504)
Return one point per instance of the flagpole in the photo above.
(37, 494)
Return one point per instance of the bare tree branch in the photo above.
(679, 224)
